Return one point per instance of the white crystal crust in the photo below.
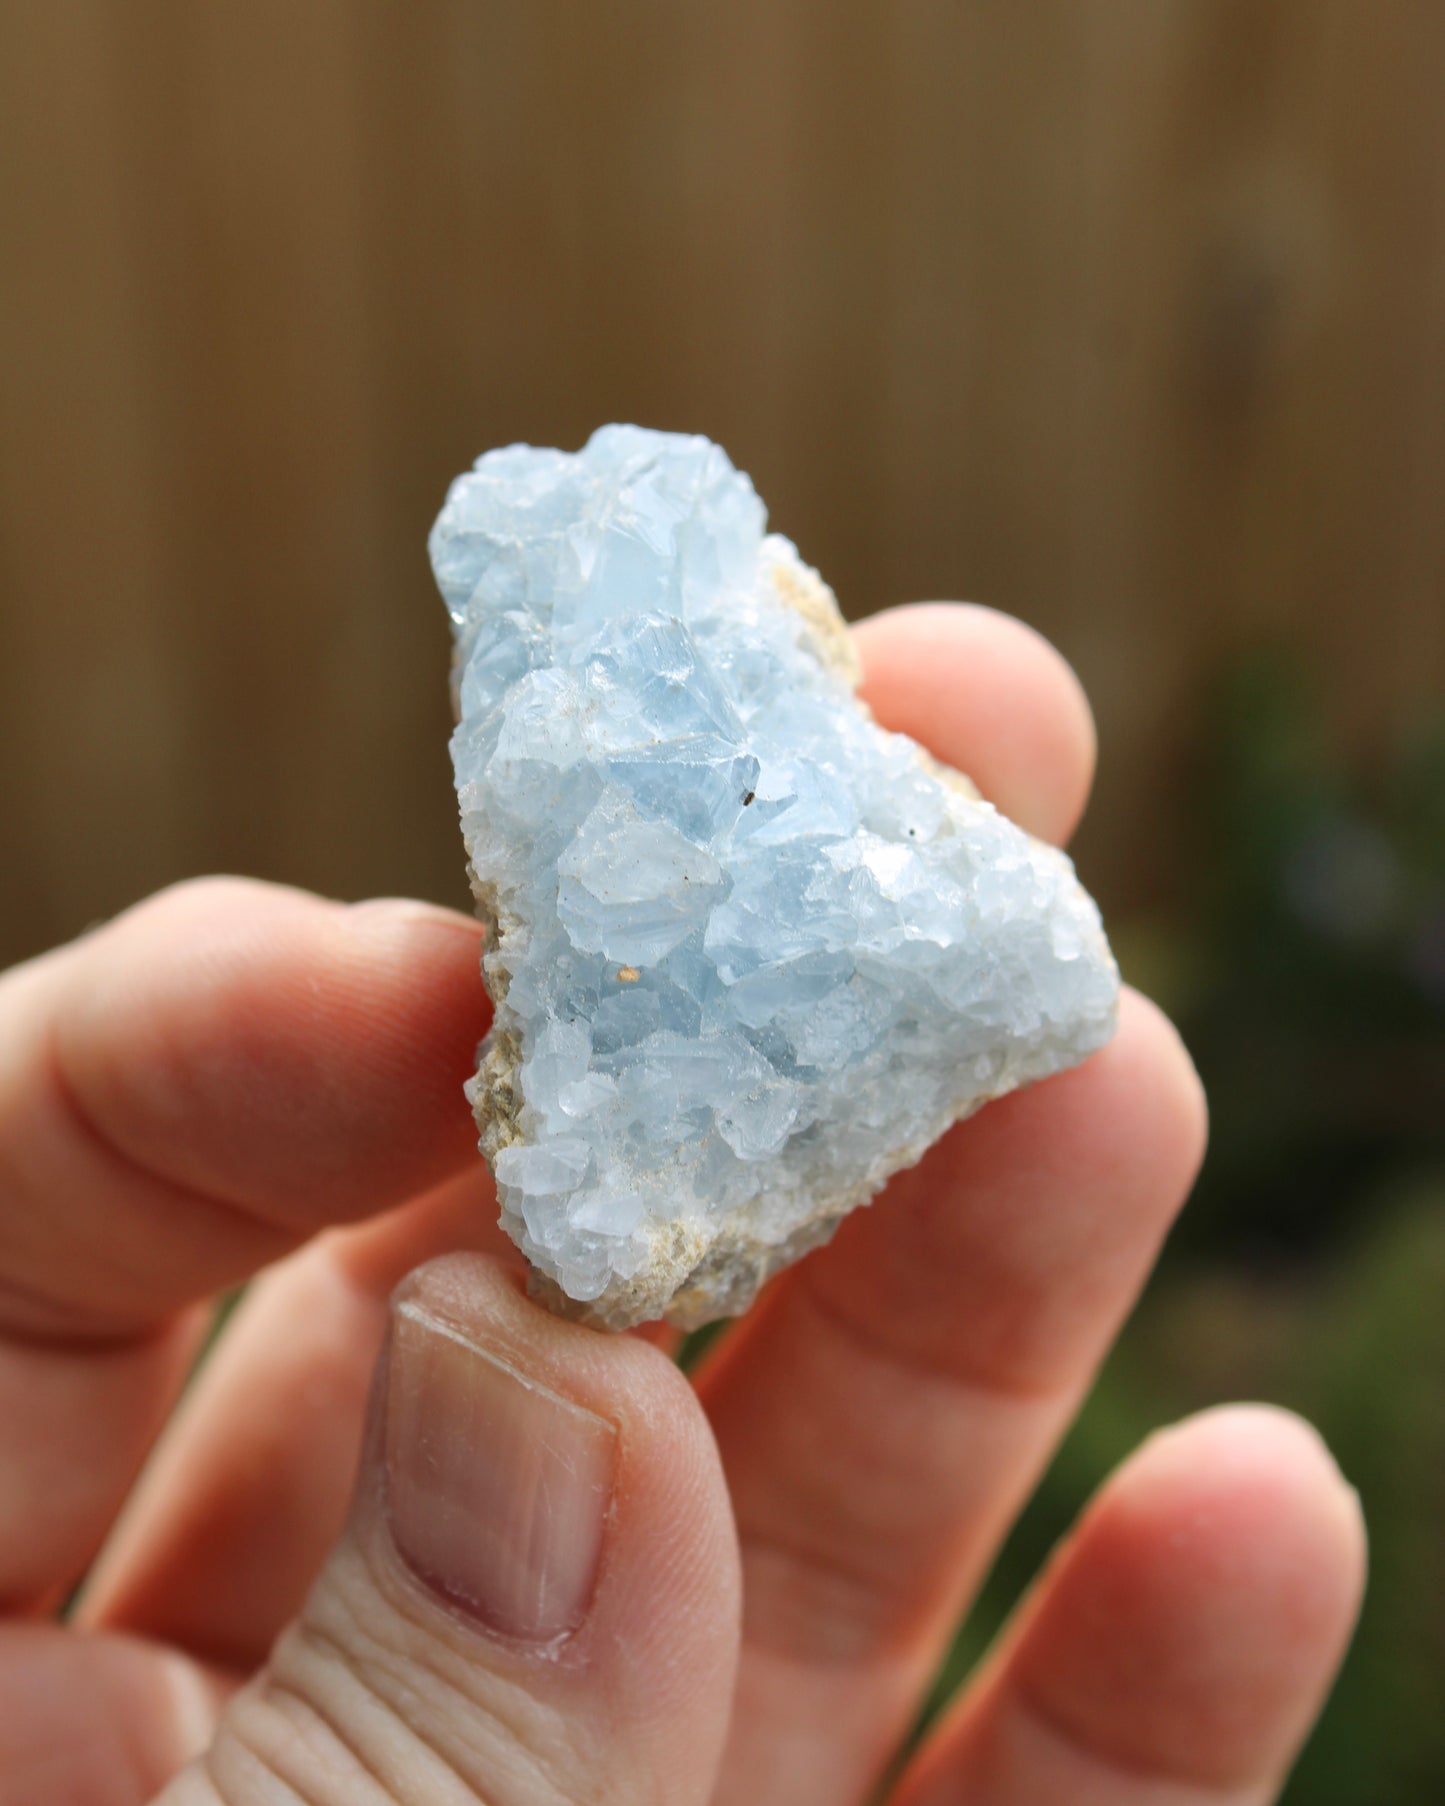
(750, 953)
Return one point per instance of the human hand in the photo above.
(566, 1573)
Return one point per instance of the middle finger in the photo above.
(884, 1414)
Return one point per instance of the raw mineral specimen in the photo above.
(750, 954)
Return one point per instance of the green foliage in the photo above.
(1371, 1372)
(1319, 1016)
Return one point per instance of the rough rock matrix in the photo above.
(750, 954)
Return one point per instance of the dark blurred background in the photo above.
(1127, 317)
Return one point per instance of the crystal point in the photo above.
(750, 953)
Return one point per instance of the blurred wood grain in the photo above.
(1127, 317)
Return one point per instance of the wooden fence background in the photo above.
(1125, 315)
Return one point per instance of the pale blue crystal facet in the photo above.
(750, 953)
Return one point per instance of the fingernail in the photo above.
(497, 1488)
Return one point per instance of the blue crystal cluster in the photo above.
(750, 953)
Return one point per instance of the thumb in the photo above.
(536, 1598)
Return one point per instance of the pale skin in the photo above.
(235, 1080)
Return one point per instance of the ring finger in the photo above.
(884, 1415)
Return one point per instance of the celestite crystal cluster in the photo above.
(750, 954)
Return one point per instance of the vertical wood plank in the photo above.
(1129, 318)
(94, 796)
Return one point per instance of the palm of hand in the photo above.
(567, 1573)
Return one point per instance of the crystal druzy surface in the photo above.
(750, 953)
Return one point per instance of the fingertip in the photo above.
(1153, 1055)
(276, 1050)
(668, 1446)
(1122, 1134)
(1195, 1619)
(990, 696)
(1261, 1472)
(624, 1377)
(1183, 1638)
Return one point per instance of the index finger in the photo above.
(184, 1095)
(192, 1090)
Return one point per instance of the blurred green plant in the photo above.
(1309, 981)
(1317, 1008)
